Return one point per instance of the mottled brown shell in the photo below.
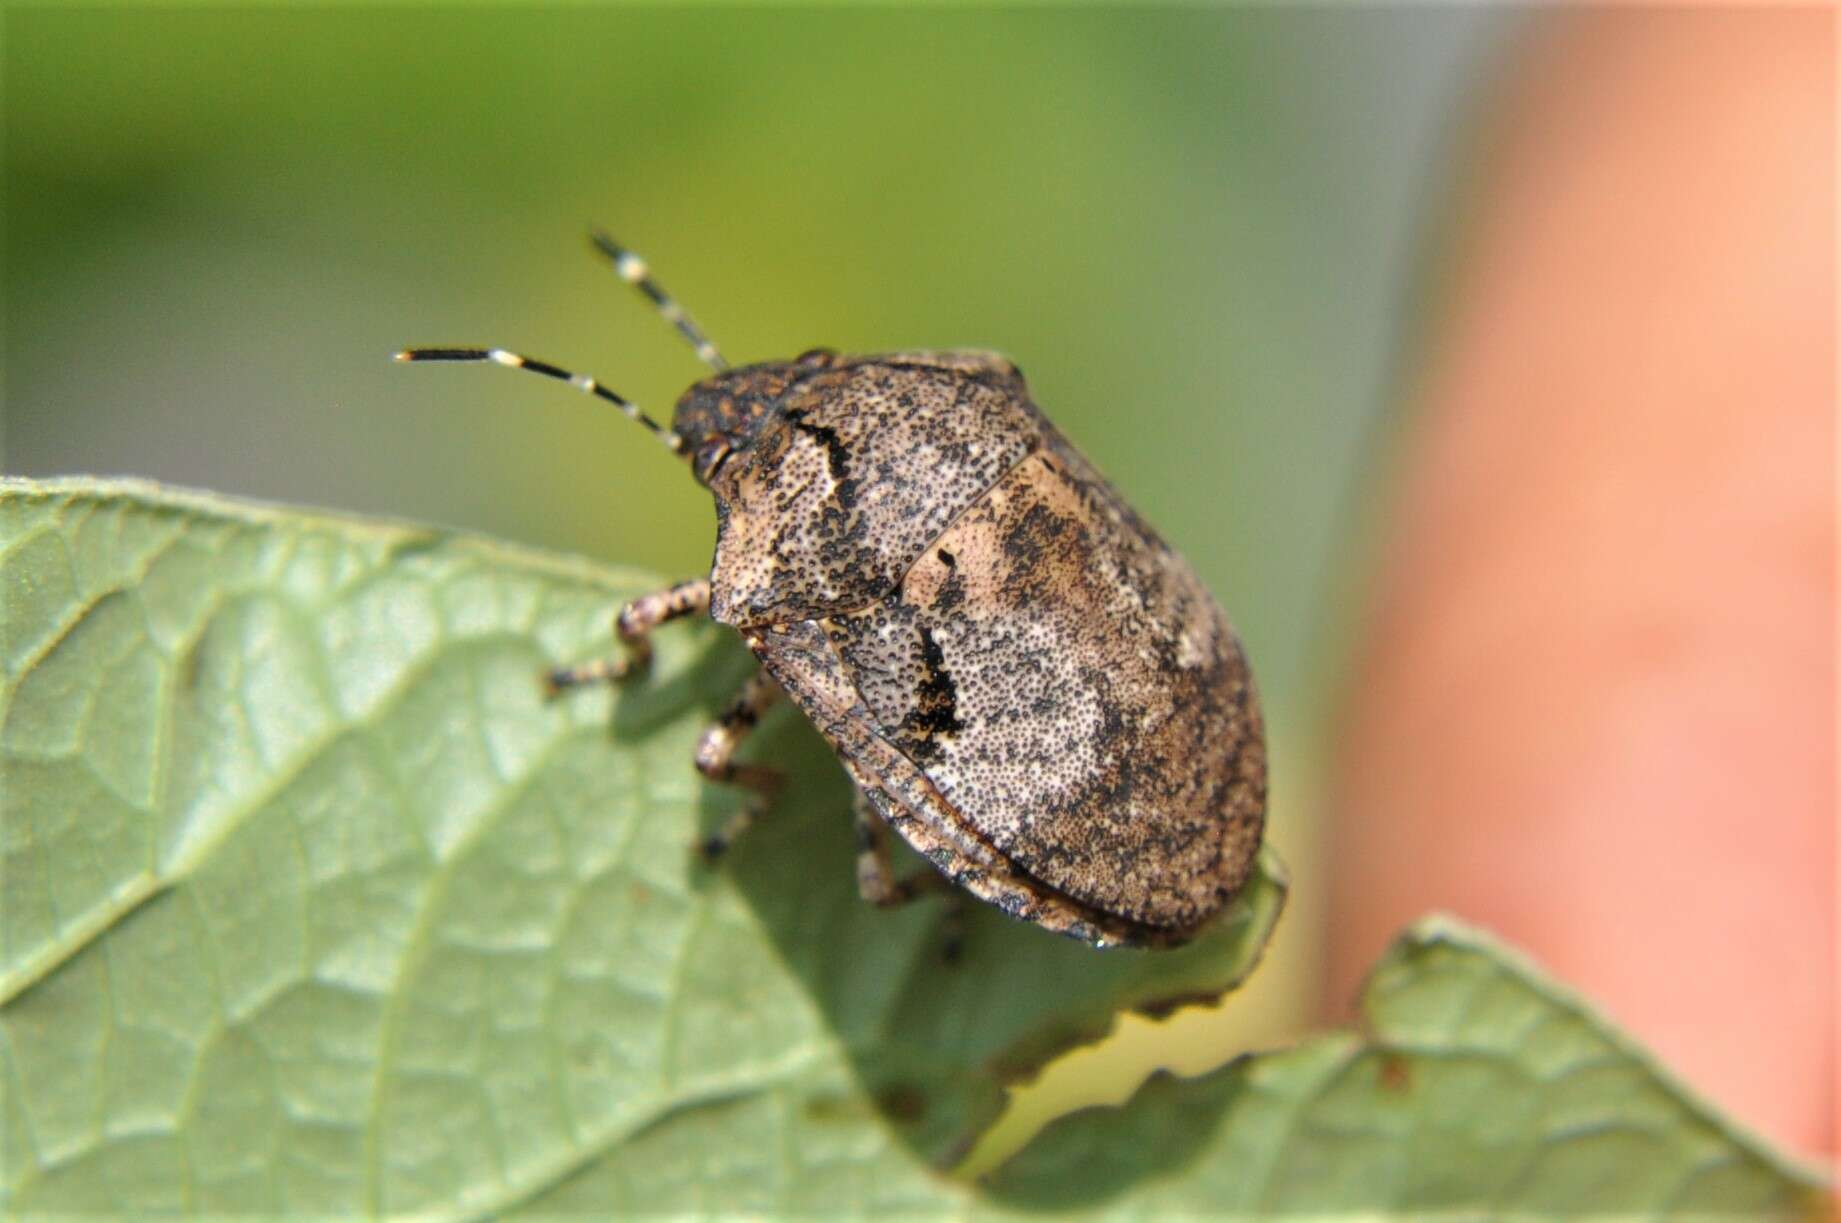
(861, 467)
(1033, 689)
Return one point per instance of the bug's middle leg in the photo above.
(876, 881)
(632, 626)
(715, 760)
(877, 884)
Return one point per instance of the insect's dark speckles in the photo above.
(1039, 528)
(950, 596)
(1031, 544)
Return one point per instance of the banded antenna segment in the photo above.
(581, 382)
(632, 269)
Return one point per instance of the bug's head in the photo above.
(721, 415)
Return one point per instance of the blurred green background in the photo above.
(1200, 232)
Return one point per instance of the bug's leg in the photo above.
(877, 884)
(634, 622)
(715, 760)
(876, 881)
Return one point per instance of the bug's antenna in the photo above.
(634, 271)
(581, 382)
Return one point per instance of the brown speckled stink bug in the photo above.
(1022, 679)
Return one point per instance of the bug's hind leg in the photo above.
(877, 884)
(715, 760)
(635, 621)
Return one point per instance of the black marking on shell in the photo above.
(837, 455)
(936, 703)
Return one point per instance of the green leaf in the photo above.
(1477, 1086)
(314, 903)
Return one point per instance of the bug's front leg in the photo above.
(715, 759)
(631, 626)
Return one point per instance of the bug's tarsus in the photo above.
(711, 849)
(634, 271)
(600, 671)
(581, 382)
(633, 628)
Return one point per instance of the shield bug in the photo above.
(1023, 681)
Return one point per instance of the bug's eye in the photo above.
(710, 456)
(815, 358)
